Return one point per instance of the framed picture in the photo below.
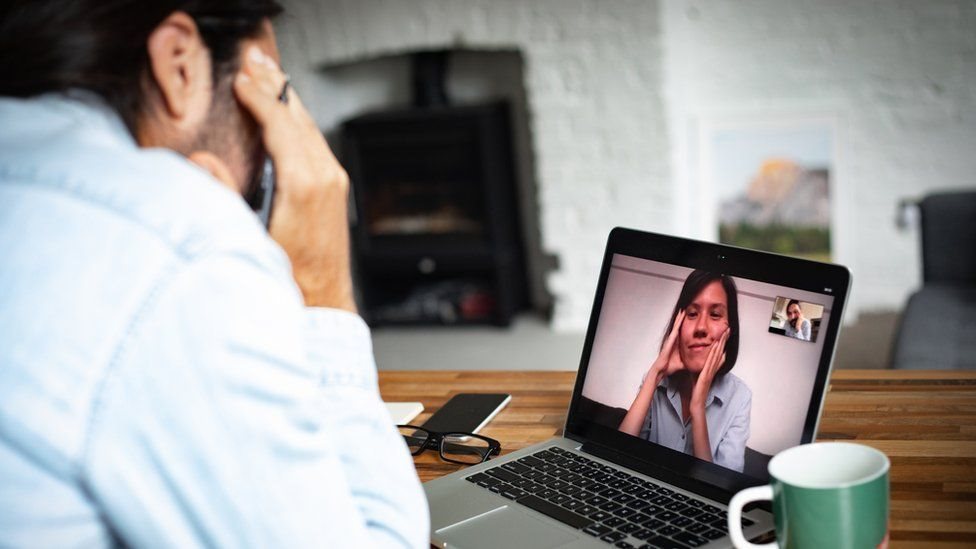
(771, 183)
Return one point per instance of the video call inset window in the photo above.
(796, 319)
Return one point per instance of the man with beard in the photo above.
(171, 372)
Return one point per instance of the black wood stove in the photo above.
(436, 235)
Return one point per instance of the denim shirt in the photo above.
(728, 413)
(161, 382)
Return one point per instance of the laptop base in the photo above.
(463, 513)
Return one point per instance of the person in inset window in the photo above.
(796, 325)
(688, 400)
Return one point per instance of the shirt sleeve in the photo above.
(805, 330)
(234, 416)
(731, 449)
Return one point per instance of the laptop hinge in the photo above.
(667, 475)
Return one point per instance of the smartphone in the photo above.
(263, 195)
(467, 412)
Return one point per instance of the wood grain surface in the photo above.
(925, 421)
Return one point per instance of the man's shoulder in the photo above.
(94, 229)
(70, 151)
(176, 201)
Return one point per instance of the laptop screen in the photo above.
(709, 364)
(702, 361)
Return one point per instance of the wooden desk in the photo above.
(924, 421)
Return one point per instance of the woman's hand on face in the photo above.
(713, 363)
(668, 361)
(309, 219)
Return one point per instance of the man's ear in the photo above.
(180, 66)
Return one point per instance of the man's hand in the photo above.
(310, 205)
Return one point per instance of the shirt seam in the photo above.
(77, 190)
(114, 363)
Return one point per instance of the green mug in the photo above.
(826, 494)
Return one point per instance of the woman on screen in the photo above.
(796, 325)
(688, 400)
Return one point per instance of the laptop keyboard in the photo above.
(605, 502)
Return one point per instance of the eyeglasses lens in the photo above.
(465, 449)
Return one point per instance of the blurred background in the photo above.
(492, 145)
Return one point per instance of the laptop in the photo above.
(637, 466)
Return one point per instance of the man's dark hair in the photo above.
(100, 45)
(693, 286)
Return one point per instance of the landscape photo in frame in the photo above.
(772, 186)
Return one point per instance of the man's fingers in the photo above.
(257, 102)
(258, 85)
(264, 71)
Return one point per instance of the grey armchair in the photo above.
(938, 327)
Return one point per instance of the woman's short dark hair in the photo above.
(100, 45)
(693, 286)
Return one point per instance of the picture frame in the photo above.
(769, 181)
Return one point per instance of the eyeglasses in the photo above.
(464, 448)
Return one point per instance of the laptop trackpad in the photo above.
(503, 527)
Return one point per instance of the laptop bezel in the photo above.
(680, 468)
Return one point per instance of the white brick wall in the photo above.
(612, 86)
(901, 75)
(593, 85)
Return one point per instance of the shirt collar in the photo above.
(71, 108)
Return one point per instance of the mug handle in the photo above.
(740, 500)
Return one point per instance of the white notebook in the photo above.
(403, 412)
